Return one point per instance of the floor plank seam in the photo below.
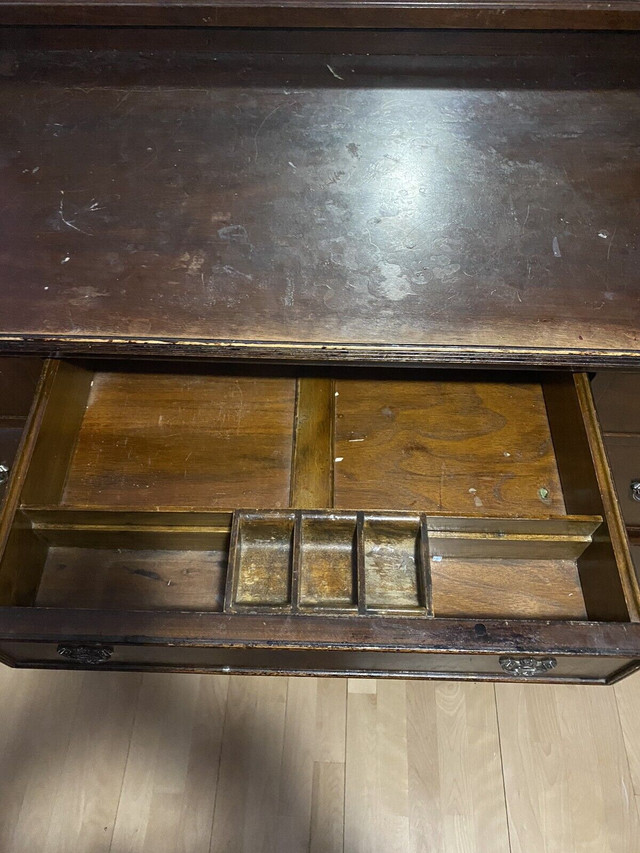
(504, 782)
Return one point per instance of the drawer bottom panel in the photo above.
(516, 667)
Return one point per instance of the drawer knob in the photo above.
(527, 667)
(4, 473)
(635, 490)
(85, 654)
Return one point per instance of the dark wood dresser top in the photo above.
(456, 203)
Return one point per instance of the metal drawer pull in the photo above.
(527, 667)
(4, 473)
(85, 654)
(635, 490)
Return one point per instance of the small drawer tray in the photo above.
(365, 563)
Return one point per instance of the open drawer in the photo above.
(292, 520)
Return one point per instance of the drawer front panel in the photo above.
(624, 457)
(509, 667)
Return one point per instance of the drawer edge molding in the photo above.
(301, 352)
(367, 633)
(447, 14)
(604, 476)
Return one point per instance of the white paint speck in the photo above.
(506, 453)
(337, 394)
(66, 259)
(351, 440)
(338, 459)
(556, 248)
(604, 234)
(337, 76)
(293, 166)
(437, 559)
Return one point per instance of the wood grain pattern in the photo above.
(135, 579)
(566, 774)
(441, 772)
(312, 472)
(171, 776)
(627, 695)
(188, 440)
(246, 808)
(155, 576)
(453, 445)
(619, 541)
(91, 771)
(456, 794)
(508, 589)
(377, 810)
(191, 233)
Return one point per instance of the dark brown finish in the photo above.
(9, 441)
(531, 14)
(591, 48)
(447, 209)
(283, 661)
(121, 579)
(617, 397)
(607, 578)
(18, 380)
(624, 456)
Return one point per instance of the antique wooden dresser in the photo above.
(300, 301)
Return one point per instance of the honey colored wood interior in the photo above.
(185, 440)
(452, 444)
(151, 466)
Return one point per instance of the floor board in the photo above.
(127, 763)
(566, 770)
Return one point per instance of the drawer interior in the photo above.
(246, 489)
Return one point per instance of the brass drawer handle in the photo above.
(635, 490)
(527, 667)
(85, 654)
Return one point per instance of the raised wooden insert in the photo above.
(183, 439)
(398, 564)
(447, 443)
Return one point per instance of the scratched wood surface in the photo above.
(184, 440)
(130, 763)
(457, 443)
(529, 14)
(405, 208)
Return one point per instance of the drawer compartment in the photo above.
(335, 498)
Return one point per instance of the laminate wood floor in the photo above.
(121, 762)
